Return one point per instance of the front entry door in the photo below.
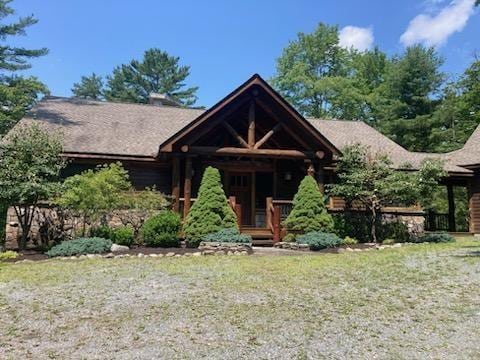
(240, 186)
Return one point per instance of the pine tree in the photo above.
(17, 94)
(211, 212)
(89, 87)
(158, 72)
(309, 212)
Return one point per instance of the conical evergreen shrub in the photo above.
(309, 212)
(210, 212)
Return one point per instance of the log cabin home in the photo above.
(260, 143)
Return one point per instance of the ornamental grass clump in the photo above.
(210, 212)
(80, 246)
(309, 212)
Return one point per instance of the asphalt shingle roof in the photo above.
(94, 127)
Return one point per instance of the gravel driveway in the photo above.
(421, 301)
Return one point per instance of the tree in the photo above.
(210, 212)
(309, 212)
(17, 94)
(307, 69)
(94, 193)
(29, 172)
(368, 180)
(89, 87)
(158, 72)
(407, 98)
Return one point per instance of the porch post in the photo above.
(187, 189)
(276, 223)
(176, 183)
(320, 179)
(451, 208)
(474, 204)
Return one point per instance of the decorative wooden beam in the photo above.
(286, 127)
(235, 134)
(267, 136)
(251, 124)
(232, 151)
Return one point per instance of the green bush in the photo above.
(289, 237)
(230, 235)
(319, 240)
(80, 246)
(309, 212)
(8, 255)
(123, 235)
(349, 241)
(211, 212)
(353, 224)
(101, 231)
(395, 230)
(436, 238)
(162, 230)
(358, 224)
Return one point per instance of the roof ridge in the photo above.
(87, 101)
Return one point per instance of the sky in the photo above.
(225, 42)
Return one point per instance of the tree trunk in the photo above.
(373, 231)
(25, 220)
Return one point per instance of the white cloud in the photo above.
(434, 30)
(357, 37)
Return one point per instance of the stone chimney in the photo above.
(161, 100)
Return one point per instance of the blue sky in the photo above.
(225, 42)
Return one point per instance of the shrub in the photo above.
(436, 238)
(8, 255)
(230, 235)
(353, 224)
(123, 235)
(349, 241)
(319, 240)
(81, 246)
(211, 212)
(309, 212)
(289, 238)
(395, 230)
(162, 230)
(101, 231)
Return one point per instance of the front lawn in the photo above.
(419, 301)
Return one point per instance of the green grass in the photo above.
(415, 301)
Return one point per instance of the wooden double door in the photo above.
(240, 185)
(250, 190)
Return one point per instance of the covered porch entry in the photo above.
(263, 149)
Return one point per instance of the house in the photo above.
(261, 144)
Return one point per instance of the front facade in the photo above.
(262, 146)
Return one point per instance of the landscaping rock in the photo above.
(109, 256)
(397, 245)
(208, 252)
(348, 249)
(118, 248)
(91, 256)
(197, 254)
(170, 254)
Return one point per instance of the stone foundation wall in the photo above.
(64, 225)
(415, 222)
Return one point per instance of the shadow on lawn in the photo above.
(470, 252)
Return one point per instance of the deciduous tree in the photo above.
(29, 172)
(368, 180)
